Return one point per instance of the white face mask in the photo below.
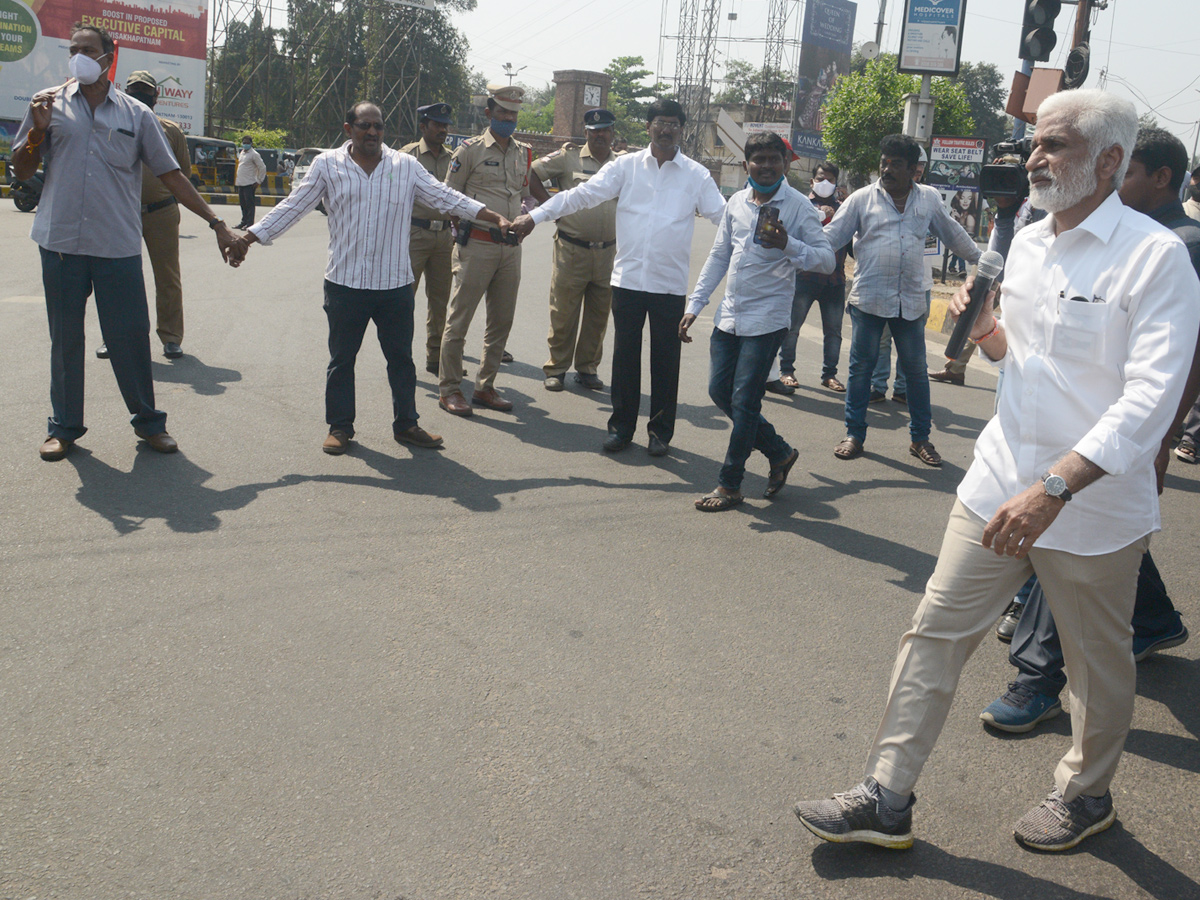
(84, 69)
(824, 188)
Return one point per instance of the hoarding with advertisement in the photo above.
(163, 37)
(954, 164)
(827, 41)
(931, 39)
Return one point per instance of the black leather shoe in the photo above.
(589, 380)
(172, 350)
(614, 443)
(506, 357)
(102, 351)
(657, 446)
(1007, 625)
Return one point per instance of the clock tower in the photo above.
(576, 92)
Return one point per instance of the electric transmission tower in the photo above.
(777, 14)
(695, 58)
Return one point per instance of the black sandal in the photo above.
(718, 502)
(778, 476)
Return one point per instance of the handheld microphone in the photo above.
(990, 265)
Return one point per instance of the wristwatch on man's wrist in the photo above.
(1056, 486)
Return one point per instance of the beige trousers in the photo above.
(480, 268)
(1092, 600)
(580, 300)
(160, 231)
(431, 255)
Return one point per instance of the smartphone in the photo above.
(768, 221)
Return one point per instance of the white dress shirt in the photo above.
(1101, 376)
(889, 254)
(250, 168)
(656, 214)
(761, 281)
(369, 215)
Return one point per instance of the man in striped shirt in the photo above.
(368, 190)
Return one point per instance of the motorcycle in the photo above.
(28, 193)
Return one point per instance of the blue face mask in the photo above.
(503, 129)
(246, 146)
(765, 189)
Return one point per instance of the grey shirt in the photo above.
(889, 254)
(91, 204)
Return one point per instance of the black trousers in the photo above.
(630, 309)
(349, 311)
(246, 199)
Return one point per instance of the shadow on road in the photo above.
(206, 380)
(170, 488)
(1117, 847)
(1172, 681)
(433, 474)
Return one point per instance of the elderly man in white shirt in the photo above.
(368, 189)
(890, 219)
(769, 232)
(658, 191)
(1101, 310)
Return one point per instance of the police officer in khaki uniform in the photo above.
(431, 243)
(160, 226)
(493, 168)
(584, 249)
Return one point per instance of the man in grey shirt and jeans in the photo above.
(89, 229)
(891, 218)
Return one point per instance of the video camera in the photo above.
(1007, 179)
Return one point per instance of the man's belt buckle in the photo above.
(437, 224)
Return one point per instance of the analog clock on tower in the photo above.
(591, 95)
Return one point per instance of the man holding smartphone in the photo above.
(767, 233)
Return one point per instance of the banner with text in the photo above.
(165, 38)
(931, 40)
(827, 40)
(954, 164)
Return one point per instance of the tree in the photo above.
(866, 107)
(628, 96)
(742, 83)
(984, 87)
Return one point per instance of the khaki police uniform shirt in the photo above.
(153, 190)
(496, 178)
(568, 168)
(437, 166)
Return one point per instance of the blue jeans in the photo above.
(124, 325)
(883, 369)
(909, 335)
(831, 298)
(737, 380)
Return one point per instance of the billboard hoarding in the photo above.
(954, 164)
(931, 37)
(827, 40)
(165, 38)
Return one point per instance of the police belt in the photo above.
(590, 245)
(431, 224)
(155, 207)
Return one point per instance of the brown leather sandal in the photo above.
(923, 450)
(849, 448)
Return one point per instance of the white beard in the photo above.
(1065, 190)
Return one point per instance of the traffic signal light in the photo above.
(1037, 29)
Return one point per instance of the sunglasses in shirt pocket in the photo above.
(1079, 330)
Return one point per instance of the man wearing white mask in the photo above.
(251, 170)
(94, 139)
(827, 291)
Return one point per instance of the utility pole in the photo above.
(879, 25)
(513, 72)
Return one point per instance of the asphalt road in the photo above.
(517, 667)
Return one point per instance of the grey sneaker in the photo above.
(1054, 824)
(861, 815)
